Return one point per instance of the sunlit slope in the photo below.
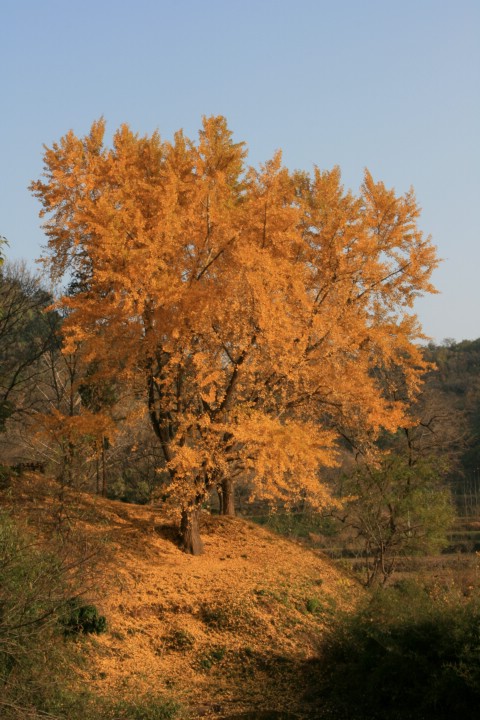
(234, 628)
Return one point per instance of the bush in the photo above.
(300, 524)
(33, 590)
(406, 656)
(34, 596)
(82, 619)
(178, 639)
(212, 657)
(130, 490)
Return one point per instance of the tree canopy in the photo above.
(26, 334)
(263, 314)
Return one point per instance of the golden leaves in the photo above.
(265, 311)
(87, 429)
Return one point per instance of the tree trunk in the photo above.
(191, 541)
(97, 472)
(220, 499)
(104, 473)
(228, 497)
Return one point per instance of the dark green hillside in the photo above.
(457, 383)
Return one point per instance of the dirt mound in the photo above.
(234, 629)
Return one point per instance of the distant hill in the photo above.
(457, 383)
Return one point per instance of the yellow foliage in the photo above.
(88, 427)
(267, 313)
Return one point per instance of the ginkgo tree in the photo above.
(261, 312)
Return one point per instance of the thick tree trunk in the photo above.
(191, 541)
(228, 497)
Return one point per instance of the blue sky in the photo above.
(392, 86)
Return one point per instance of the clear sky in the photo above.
(389, 85)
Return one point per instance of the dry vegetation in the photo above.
(234, 629)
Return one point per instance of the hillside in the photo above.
(233, 630)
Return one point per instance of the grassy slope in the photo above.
(235, 629)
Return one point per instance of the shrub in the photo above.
(298, 524)
(33, 590)
(406, 656)
(178, 639)
(313, 604)
(324, 608)
(82, 619)
(216, 617)
(212, 657)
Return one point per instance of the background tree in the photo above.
(398, 493)
(27, 332)
(255, 306)
(394, 509)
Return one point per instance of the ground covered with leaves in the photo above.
(234, 630)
